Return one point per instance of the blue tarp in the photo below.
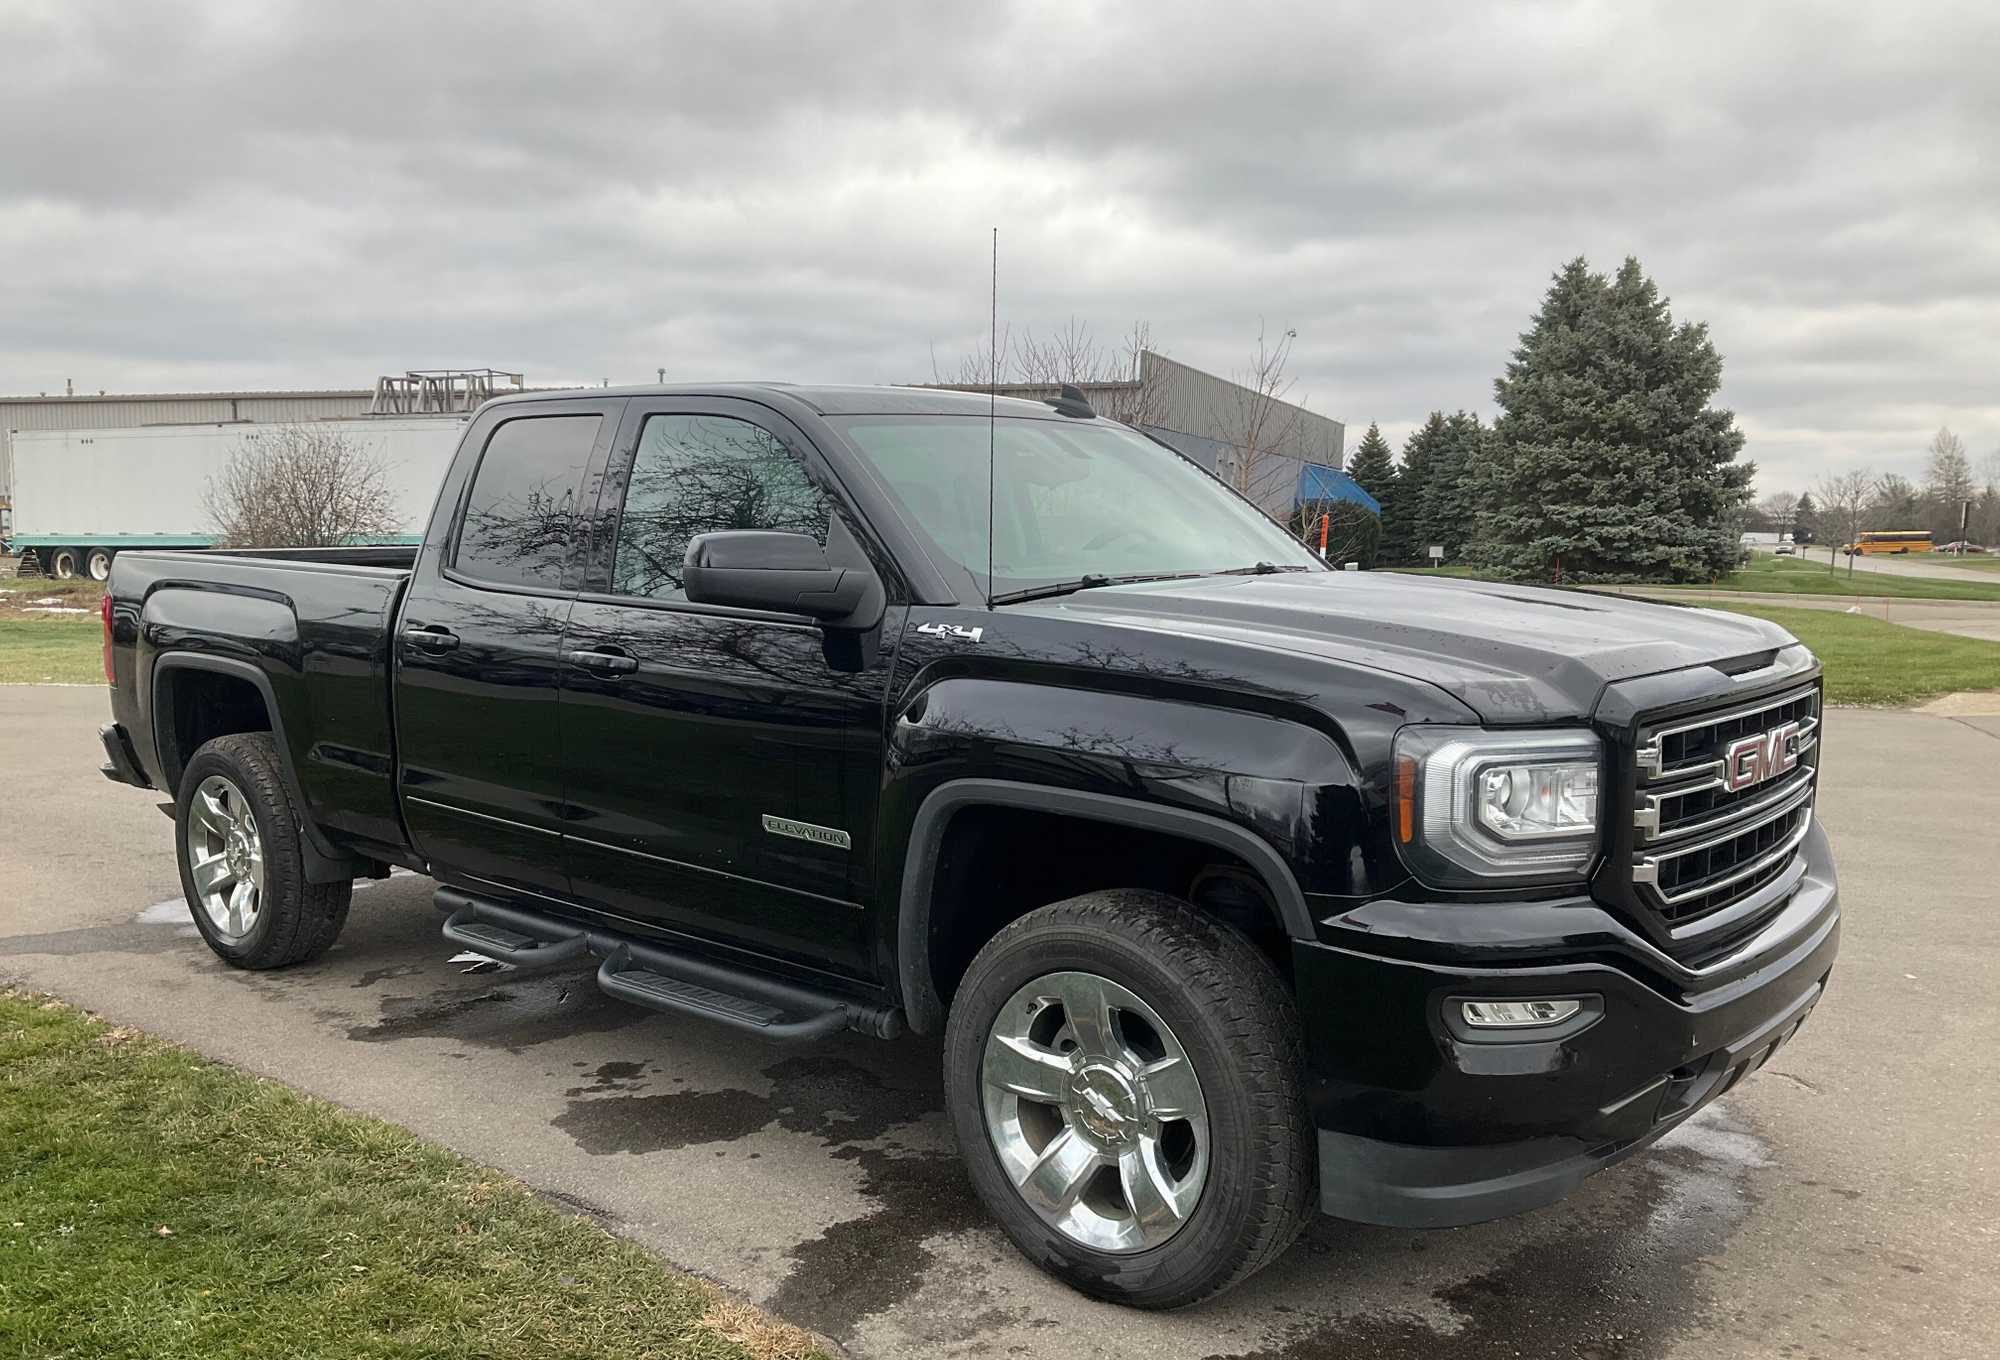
(1318, 482)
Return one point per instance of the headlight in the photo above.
(1472, 806)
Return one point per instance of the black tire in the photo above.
(97, 564)
(296, 920)
(61, 563)
(1231, 1012)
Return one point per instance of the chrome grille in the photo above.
(1700, 848)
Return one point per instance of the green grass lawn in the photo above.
(157, 1205)
(62, 648)
(1794, 576)
(1871, 662)
(39, 644)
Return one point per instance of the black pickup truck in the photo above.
(1236, 887)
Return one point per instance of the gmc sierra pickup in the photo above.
(1237, 887)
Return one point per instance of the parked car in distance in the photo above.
(1236, 888)
(1785, 550)
(1959, 546)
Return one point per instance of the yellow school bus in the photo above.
(1874, 542)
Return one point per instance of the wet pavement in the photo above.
(1845, 1201)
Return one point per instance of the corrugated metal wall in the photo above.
(162, 408)
(1205, 417)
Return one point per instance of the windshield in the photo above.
(1070, 501)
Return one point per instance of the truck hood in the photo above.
(1512, 654)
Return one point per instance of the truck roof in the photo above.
(822, 399)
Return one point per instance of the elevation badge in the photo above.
(806, 831)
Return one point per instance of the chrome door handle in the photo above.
(614, 663)
(431, 639)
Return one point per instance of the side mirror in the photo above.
(786, 573)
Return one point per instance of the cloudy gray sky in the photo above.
(258, 194)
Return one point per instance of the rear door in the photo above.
(721, 771)
(479, 646)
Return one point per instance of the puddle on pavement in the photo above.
(855, 1267)
(1618, 1279)
(523, 1013)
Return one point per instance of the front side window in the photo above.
(522, 509)
(1070, 500)
(699, 474)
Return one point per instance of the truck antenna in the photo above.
(992, 406)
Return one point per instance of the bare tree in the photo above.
(1112, 376)
(1948, 472)
(1261, 423)
(1781, 508)
(1844, 500)
(300, 486)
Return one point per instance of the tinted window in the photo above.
(699, 474)
(523, 505)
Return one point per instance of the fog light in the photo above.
(1518, 1014)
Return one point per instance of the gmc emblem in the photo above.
(1752, 760)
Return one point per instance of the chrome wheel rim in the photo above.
(1096, 1112)
(225, 854)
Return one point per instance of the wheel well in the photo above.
(200, 706)
(999, 863)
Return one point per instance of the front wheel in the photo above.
(242, 866)
(1124, 1077)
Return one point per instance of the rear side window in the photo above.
(523, 506)
(697, 474)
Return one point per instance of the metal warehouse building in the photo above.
(1277, 452)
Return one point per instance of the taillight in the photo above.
(104, 612)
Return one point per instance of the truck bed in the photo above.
(309, 629)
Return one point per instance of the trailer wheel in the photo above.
(62, 563)
(98, 563)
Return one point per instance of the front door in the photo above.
(721, 773)
(479, 648)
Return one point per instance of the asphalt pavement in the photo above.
(1931, 566)
(1845, 1201)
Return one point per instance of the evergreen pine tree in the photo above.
(1805, 527)
(1457, 486)
(1408, 532)
(1608, 457)
(1373, 467)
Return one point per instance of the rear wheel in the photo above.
(242, 866)
(1124, 1077)
(61, 563)
(98, 563)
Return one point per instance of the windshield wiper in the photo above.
(1261, 569)
(1089, 581)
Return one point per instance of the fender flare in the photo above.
(323, 862)
(923, 1006)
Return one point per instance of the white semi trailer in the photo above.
(83, 496)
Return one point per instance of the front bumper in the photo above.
(1420, 1125)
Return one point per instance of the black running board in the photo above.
(646, 973)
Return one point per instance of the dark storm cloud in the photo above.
(219, 195)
